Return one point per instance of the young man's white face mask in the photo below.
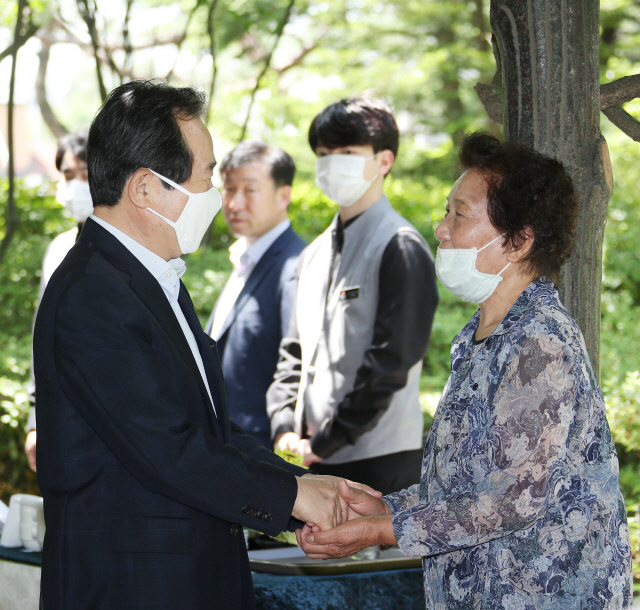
(341, 177)
(196, 216)
(75, 196)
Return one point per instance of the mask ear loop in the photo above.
(487, 245)
(170, 182)
(503, 270)
(483, 247)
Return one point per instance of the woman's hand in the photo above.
(362, 504)
(346, 539)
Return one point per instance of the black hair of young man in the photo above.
(76, 143)
(281, 166)
(355, 121)
(137, 127)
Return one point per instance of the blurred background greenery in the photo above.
(271, 65)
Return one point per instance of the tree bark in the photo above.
(551, 100)
(11, 214)
(88, 13)
(267, 65)
(49, 117)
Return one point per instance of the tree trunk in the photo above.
(551, 100)
(12, 219)
(51, 120)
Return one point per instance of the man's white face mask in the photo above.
(341, 177)
(75, 196)
(196, 216)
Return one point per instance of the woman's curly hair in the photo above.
(526, 191)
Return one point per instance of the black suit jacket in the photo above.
(142, 483)
(250, 338)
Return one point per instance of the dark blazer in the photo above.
(249, 341)
(142, 483)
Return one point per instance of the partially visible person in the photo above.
(519, 504)
(146, 479)
(346, 392)
(252, 314)
(72, 193)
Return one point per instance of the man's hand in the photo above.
(352, 484)
(346, 539)
(30, 449)
(287, 441)
(318, 502)
(304, 449)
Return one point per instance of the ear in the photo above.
(526, 241)
(142, 188)
(386, 161)
(283, 196)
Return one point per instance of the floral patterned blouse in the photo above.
(519, 506)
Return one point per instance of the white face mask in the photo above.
(341, 177)
(196, 216)
(456, 269)
(75, 196)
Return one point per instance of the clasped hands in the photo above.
(348, 517)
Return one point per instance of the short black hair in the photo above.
(526, 190)
(281, 166)
(355, 121)
(137, 127)
(76, 143)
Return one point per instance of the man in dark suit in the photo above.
(145, 478)
(252, 314)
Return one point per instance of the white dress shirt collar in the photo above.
(244, 257)
(167, 273)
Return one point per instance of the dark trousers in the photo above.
(385, 473)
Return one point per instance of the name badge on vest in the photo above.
(350, 293)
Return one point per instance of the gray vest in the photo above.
(335, 333)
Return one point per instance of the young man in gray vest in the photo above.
(345, 395)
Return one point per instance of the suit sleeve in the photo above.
(407, 302)
(109, 365)
(289, 286)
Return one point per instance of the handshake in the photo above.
(341, 517)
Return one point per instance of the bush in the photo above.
(624, 415)
(41, 218)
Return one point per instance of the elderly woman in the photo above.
(519, 505)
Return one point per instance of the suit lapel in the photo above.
(257, 275)
(209, 359)
(148, 290)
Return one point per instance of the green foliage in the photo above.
(207, 273)
(41, 218)
(623, 410)
(633, 516)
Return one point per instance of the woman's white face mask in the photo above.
(196, 215)
(456, 269)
